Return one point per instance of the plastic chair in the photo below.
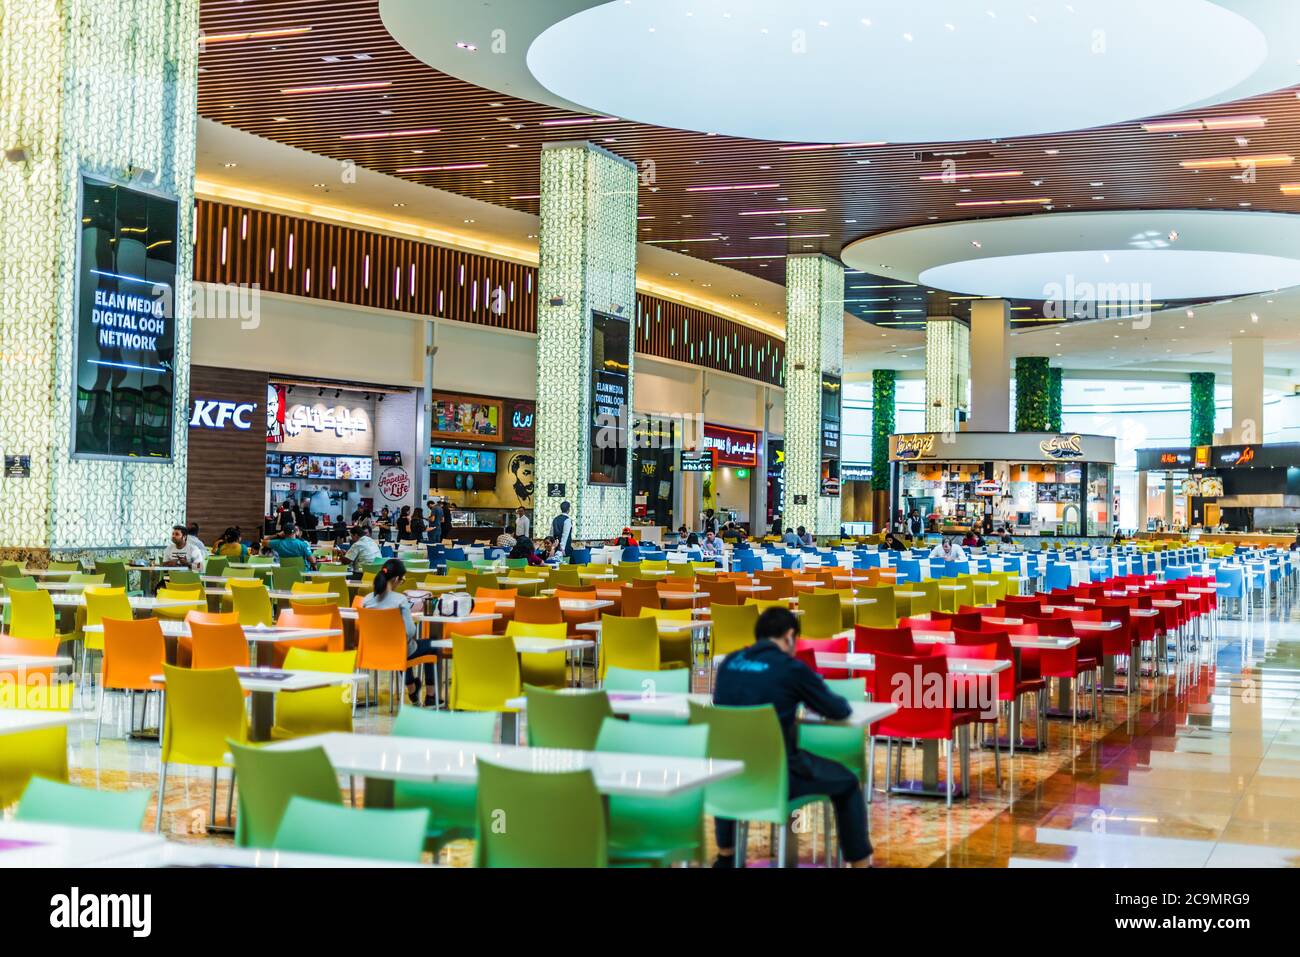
(838, 743)
(674, 681)
(318, 710)
(269, 779)
(451, 805)
(203, 709)
(484, 673)
(732, 627)
(565, 720)
(250, 601)
(307, 593)
(54, 802)
(381, 646)
(179, 592)
(31, 615)
(317, 827)
(662, 831)
(29, 754)
(218, 646)
(134, 651)
(114, 571)
(544, 669)
(882, 613)
(101, 603)
(675, 650)
(541, 611)
(821, 616)
(33, 689)
(628, 643)
(761, 791)
(556, 819)
(836, 646)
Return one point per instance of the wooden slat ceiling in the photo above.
(862, 191)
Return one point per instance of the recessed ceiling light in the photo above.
(231, 165)
(336, 87)
(389, 134)
(254, 35)
(469, 47)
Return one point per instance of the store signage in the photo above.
(1234, 457)
(1211, 487)
(389, 458)
(343, 422)
(801, 499)
(521, 423)
(1202, 456)
(610, 391)
(697, 461)
(737, 447)
(555, 490)
(988, 487)
(1062, 447)
(1176, 458)
(394, 484)
(275, 404)
(915, 446)
(469, 418)
(855, 472)
(211, 414)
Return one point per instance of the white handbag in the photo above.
(455, 604)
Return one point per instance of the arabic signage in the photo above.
(1272, 456)
(1062, 447)
(1012, 447)
(737, 447)
(521, 418)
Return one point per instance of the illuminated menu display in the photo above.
(126, 333)
(610, 365)
(462, 460)
(830, 468)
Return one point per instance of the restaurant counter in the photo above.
(1221, 538)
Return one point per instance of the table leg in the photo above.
(263, 715)
(509, 727)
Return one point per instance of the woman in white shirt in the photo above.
(388, 594)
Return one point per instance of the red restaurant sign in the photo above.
(738, 447)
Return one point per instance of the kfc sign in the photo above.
(211, 414)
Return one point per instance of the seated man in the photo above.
(183, 552)
(711, 547)
(364, 549)
(768, 673)
(288, 544)
(948, 551)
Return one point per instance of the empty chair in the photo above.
(218, 646)
(318, 827)
(557, 819)
(269, 779)
(54, 802)
(565, 720)
(822, 616)
(484, 672)
(134, 651)
(318, 710)
(451, 805)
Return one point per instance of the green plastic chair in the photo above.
(564, 575)
(451, 805)
(836, 742)
(315, 827)
(558, 719)
(293, 561)
(284, 578)
(516, 563)
(662, 830)
(673, 681)
(539, 819)
(761, 791)
(113, 570)
(53, 802)
(65, 566)
(216, 565)
(268, 780)
(11, 570)
(182, 577)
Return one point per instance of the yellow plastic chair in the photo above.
(675, 650)
(484, 672)
(881, 614)
(43, 752)
(959, 592)
(822, 615)
(542, 670)
(31, 615)
(320, 709)
(733, 626)
(763, 604)
(654, 566)
(251, 602)
(843, 594)
(631, 643)
(203, 708)
(930, 602)
(180, 592)
(308, 589)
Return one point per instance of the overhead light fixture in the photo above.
(805, 147)
(205, 39)
(783, 212)
(441, 169)
(469, 47)
(794, 236)
(336, 87)
(719, 259)
(579, 121)
(1004, 202)
(1240, 162)
(1202, 124)
(724, 189)
(388, 134)
(533, 196)
(706, 239)
(987, 174)
(1288, 189)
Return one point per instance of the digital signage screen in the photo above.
(830, 470)
(126, 335)
(610, 367)
(443, 459)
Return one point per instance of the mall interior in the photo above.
(416, 408)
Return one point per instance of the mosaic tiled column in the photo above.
(587, 264)
(814, 346)
(947, 372)
(100, 88)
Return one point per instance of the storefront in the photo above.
(855, 495)
(339, 446)
(655, 441)
(1233, 488)
(481, 460)
(728, 488)
(1037, 483)
(775, 481)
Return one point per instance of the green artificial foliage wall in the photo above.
(1032, 394)
(1202, 408)
(882, 425)
(1054, 400)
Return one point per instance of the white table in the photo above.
(137, 602)
(29, 844)
(264, 684)
(421, 759)
(18, 721)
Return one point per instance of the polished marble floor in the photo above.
(1205, 775)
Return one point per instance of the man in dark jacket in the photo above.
(768, 673)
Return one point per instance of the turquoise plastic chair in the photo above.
(836, 742)
(451, 806)
(314, 827)
(53, 802)
(673, 681)
(660, 830)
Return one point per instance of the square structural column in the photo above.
(814, 365)
(95, 288)
(947, 372)
(990, 364)
(1247, 391)
(586, 330)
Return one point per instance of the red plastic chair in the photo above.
(836, 646)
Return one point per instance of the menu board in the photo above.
(124, 377)
(462, 460)
(466, 417)
(610, 389)
(355, 468)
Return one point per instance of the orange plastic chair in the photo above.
(540, 611)
(292, 619)
(632, 600)
(381, 646)
(33, 688)
(185, 644)
(498, 594)
(218, 646)
(134, 651)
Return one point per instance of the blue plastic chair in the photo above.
(909, 570)
(1058, 576)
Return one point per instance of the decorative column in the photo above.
(884, 384)
(1055, 386)
(814, 349)
(1033, 394)
(947, 372)
(1202, 422)
(107, 90)
(586, 280)
(990, 350)
(1247, 391)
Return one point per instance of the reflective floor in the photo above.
(1205, 776)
